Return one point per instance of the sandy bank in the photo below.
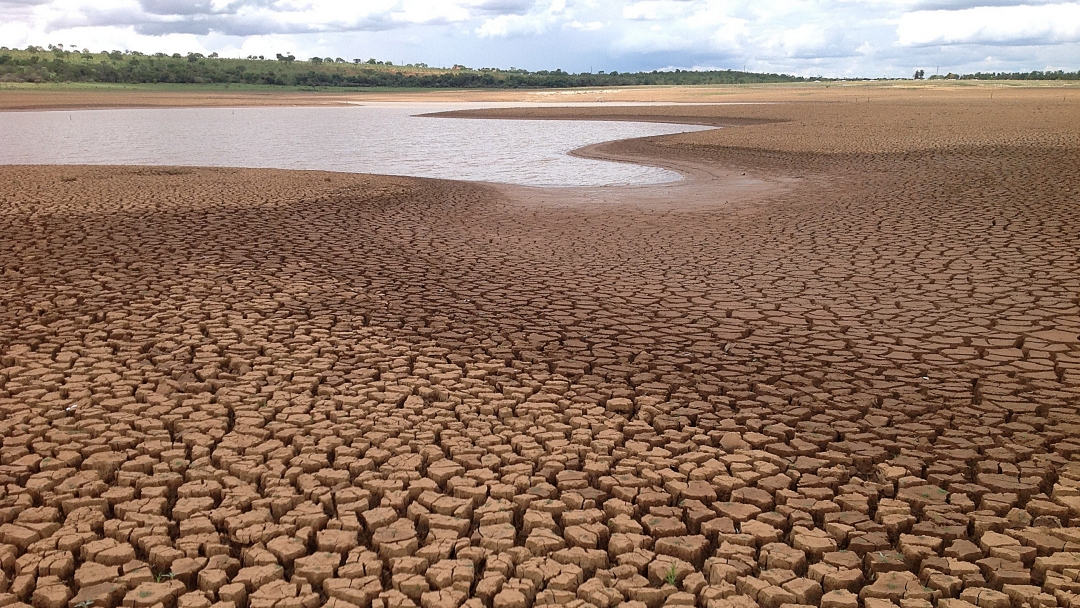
(89, 96)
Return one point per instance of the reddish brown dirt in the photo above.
(61, 97)
(856, 384)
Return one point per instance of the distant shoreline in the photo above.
(79, 96)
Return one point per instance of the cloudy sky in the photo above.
(805, 37)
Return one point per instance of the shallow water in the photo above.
(386, 139)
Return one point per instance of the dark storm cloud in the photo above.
(161, 28)
(176, 7)
(230, 25)
(952, 5)
(206, 7)
(93, 17)
(178, 17)
(505, 7)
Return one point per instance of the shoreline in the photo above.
(701, 185)
(761, 119)
(692, 177)
(74, 97)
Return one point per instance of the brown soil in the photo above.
(60, 97)
(848, 377)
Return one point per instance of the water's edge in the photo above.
(387, 140)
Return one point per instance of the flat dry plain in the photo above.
(853, 381)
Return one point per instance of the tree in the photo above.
(919, 74)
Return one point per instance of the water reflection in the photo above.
(386, 139)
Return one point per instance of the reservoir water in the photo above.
(379, 138)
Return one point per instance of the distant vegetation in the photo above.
(1058, 75)
(57, 64)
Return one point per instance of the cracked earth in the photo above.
(269, 389)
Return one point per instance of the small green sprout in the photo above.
(670, 577)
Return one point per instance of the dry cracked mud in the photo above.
(269, 389)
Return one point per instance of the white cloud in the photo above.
(682, 26)
(425, 11)
(807, 37)
(657, 10)
(511, 25)
(532, 23)
(586, 27)
(1035, 25)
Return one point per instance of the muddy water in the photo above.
(385, 139)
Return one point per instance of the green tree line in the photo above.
(1036, 75)
(55, 64)
(58, 65)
